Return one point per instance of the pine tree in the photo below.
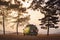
(49, 10)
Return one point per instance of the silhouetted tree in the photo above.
(3, 13)
(15, 6)
(21, 20)
(49, 9)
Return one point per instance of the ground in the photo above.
(20, 37)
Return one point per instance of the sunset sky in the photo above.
(34, 16)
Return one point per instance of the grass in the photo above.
(21, 37)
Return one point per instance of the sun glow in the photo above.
(34, 16)
(25, 3)
(12, 1)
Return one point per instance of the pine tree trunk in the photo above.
(17, 24)
(48, 29)
(17, 29)
(3, 25)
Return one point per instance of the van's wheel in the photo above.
(24, 34)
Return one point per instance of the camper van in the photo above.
(30, 30)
